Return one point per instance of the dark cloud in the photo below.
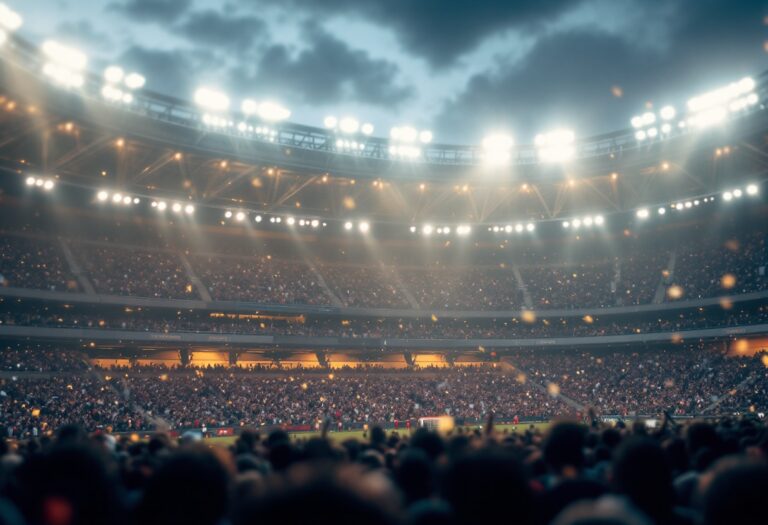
(567, 78)
(82, 34)
(213, 28)
(160, 11)
(442, 30)
(328, 71)
(168, 72)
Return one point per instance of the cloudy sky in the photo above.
(458, 67)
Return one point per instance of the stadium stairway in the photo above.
(198, 284)
(730, 393)
(661, 289)
(523, 288)
(335, 301)
(400, 286)
(76, 269)
(508, 366)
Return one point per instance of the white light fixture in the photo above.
(211, 99)
(364, 227)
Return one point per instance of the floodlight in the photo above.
(648, 118)
(258, 218)
(652, 132)
(114, 74)
(9, 18)
(135, 81)
(727, 196)
(136, 200)
(518, 228)
(576, 223)
(189, 209)
(425, 137)
(315, 223)
(102, 195)
(330, 121)
(30, 181)
(587, 221)
(291, 221)
(348, 225)
(530, 227)
(413, 229)
(127, 200)
(496, 148)
(364, 226)
(662, 211)
(555, 146)
(48, 185)
(349, 125)
(162, 205)
(427, 229)
(65, 56)
(667, 113)
(599, 220)
(176, 207)
(752, 189)
(240, 217)
(640, 135)
(737, 193)
(271, 111)
(117, 197)
(367, 128)
(637, 121)
(642, 213)
(228, 214)
(566, 224)
(211, 99)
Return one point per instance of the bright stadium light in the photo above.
(290, 221)
(176, 208)
(497, 149)
(519, 228)
(642, 213)
(652, 132)
(30, 181)
(330, 122)
(576, 224)
(667, 113)
(211, 99)
(640, 135)
(463, 230)
(48, 185)
(530, 227)
(599, 220)
(10, 19)
(127, 200)
(63, 76)
(135, 81)
(189, 209)
(258, 218)
(114, 74)
(162, 205)
(727, 196)
(752, 189)
(348, 225)
(662, 211)
(349, 125)
(272, 111)
(136, 200)
(587, 221)
(102, 196)
(240, 217)
(65, 56)
(364, 226)
(648, 118)
(737, 193)
(117, 197)
(556, 146)
(367, 128)
(637, 121)
(427, 229)
(425, 137)
(566, 224)
(721, 96)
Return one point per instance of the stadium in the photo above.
(427, 328)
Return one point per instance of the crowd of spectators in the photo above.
(705, 268)
(259, 279)
(118, 270)
(697, 473)
(524, 384)
(27, 262)
(166, 321)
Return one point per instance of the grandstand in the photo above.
(214, 312)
